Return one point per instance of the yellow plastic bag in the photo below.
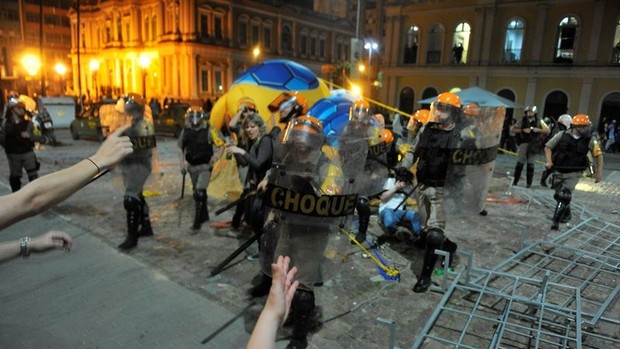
(225, 183)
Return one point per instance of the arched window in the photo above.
(514, 41)
(406, 100)
(567, 33)
(428, 93)
(303, 42)
(286, 38)
(411, 46)
(610, 110)
(460, 43)
(243, 31)
(154, 28)
(435, 42)
(615, 57)
(556, 104)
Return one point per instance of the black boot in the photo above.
(16, 183)
(424, 281)
(530, 174)
(557, 215)
(200, 198)
(567, 216)
(263, 287)
(363, 213)
(543, 178)
(302, 319)
(518, 169)
(145, 220)
(133, 221)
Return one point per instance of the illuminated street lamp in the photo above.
(94, 67)
(370, 46)
(256, 52)
(31, 64)
(61, 69)
(144, 61)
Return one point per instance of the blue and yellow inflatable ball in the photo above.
(333, 112)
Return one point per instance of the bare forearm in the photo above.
(9, 250)
(264, 333)
(46, 191)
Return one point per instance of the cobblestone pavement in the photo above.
(352, 301)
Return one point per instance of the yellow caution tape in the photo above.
(391, 272)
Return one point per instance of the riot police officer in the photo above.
(433, 147)
(567, 154)
(19, 143)
(136, 168)
(197, 158)
(527, 133)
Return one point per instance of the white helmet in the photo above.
(531, 108)
(565, 120)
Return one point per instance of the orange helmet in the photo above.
(304, 132)
(290, 105)
(246, 102)
(359, 111)
(581, 120)
(420, 117)
(471, 109)
(446, 108)
(386, 136)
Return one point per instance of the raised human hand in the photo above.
(115, 148)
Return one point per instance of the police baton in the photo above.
(220, 267)
(184, 173)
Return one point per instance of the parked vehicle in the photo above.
(44, 126)
(88, 124)
(171, 120)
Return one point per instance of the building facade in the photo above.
(38, 29)
(562, 56)
(193, 49)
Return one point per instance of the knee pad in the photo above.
(564, 196)
(132, 204)
(435, 238)
(200, 195)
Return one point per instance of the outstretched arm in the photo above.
(278, 304)
(55, 187)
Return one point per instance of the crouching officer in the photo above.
(136, 167)
(567, 154)
(197, 158)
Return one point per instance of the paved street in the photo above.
(160, 295)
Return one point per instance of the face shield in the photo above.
(304, 137)
(443, 113)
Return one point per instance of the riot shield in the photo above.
(309, 196)
(473, 159)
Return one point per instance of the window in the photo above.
(154, 28)
(267, 38)
(303, 44)
(255, 33)
(286, 38)
(204, 81)
(313, 45)
(145, 30)
(322, 47)
(218, 28)
(119, 29)
(204, 26)
(565, 49)
(435, 41)
(219, 85)
(615, 56)
(514, 41)
(411, 46)
(243, 33)
(460, 43)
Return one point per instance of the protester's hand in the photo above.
(282, 290)
(51, 240)
(233, 149)
(114, 149)
(401, 185)
(262, 185)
